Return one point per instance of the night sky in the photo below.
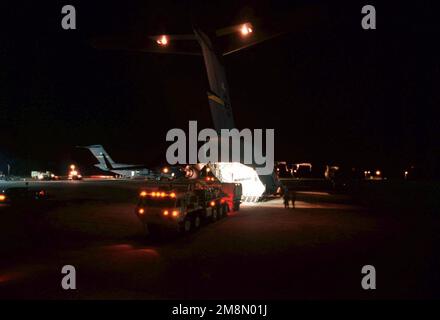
(334, 93)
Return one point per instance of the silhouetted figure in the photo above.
(293, 198)
(286, 199)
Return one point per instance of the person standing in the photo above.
(293, 198)
(286, 198)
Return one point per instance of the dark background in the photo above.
(334, 93)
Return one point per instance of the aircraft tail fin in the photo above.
(105, 161)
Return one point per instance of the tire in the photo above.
(196, 223)
(186, 226)
(214, 216)
(222, 211)
(225, 210)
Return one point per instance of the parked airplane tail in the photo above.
(105, 161)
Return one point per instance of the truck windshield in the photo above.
(159, 202)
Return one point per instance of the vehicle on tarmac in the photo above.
(17, 197)
(183, 207)
(233, 194)
(22, 210)
(74, 173)
(40, 175)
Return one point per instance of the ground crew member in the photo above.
(286, 198)
(293, 198)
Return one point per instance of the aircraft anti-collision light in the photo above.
(245, 29)
(162, 41)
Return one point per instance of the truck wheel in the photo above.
(221, 212)
(225, 210)
(186, 226)
(214, 214)
(197, 222)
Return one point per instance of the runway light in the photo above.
(2, 197)
(141, 211)
(378, 173)
(162, 194)
(245, 29)
(143, 194)
(172, 195)
(162, 41)
(175, 213)
(212, 203)
(166, 213)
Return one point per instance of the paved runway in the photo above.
(315, 251)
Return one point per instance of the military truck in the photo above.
(182, 207)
